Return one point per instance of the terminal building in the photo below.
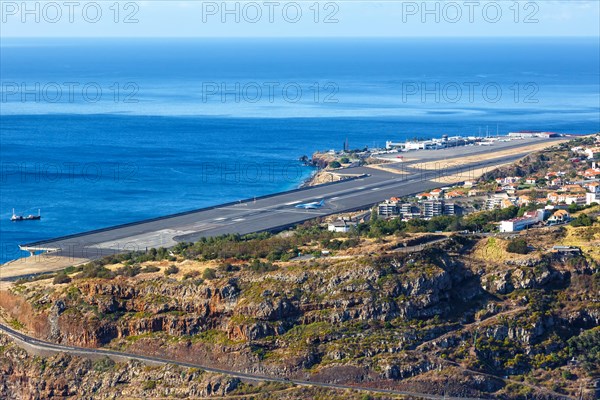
(533, 134)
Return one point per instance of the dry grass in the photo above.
(468, 175)
(492, 251)
(585, 237)
(469, 159)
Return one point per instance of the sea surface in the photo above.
(102, 132)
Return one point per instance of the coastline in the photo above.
(320, 177)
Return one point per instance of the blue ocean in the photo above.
(106, 131)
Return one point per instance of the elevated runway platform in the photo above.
(276, 212)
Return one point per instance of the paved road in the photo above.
(273, 212)
(82, 352)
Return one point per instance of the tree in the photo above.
(573, 208)
(583, 220)
(344, 160)
(374, 214)
(335, 164)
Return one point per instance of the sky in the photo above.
(300, 18)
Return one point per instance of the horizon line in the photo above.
(313, 37)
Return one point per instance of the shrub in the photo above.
(228, 268)
(518, 246)
(586, 347)
(149, 268)
(344, 160)
(104, 364)
(93, 270)
(61, 278)
(335, 164)
(149, 385)
(568, 375)
(171, 270)
(259, 266)
(129, 270)
(209, 274)
(583, 220)
(191, 274)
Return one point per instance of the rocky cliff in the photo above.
(442, 318)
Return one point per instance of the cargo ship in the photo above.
(30, 217)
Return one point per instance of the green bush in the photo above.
(171, 270)
(228, 268)
(149, 268)
(335, 164)
(129, 270)
(93, 270)
(104, 364)
(583, 220)
(209, 274)
(259, 266)
(191, 274)
(586, 347)
(568, 375)
(149, 385)
(61, 278)
(518, 246)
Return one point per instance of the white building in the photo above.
(518, 224)
(432, 209)
(388, 209)
(340, 226)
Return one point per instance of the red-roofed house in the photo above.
(452, 194)
(559, 217)
(436, 193)
(591, 173)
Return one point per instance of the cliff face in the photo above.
(247, 306)
(427, 319)
(63, 376)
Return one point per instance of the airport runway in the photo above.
(466, 151)
(269, 213)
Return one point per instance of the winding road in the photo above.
(83, 352)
